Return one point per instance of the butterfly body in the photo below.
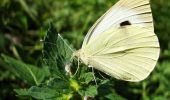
(122, 43)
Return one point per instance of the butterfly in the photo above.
(122, 42)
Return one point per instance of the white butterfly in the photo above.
(122, 42)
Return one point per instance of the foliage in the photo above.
(28, 73)
(59, 83)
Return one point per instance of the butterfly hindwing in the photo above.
(128, 53)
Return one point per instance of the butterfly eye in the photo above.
(125, 23)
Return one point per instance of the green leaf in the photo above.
(86, 77)
(56, 53)
(29, 73)
(114, 96)
(60, 85)
(90, 91)
(156, 97)
(42, 92)
(106, 91)
(21, 92)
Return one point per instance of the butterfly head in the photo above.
(82, 55)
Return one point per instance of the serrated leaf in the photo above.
(27, 72)
(56, 52)
(86, 77)
(90, 91)
(60, 85)
(42, 92)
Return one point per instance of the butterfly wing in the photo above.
(128, 53)
(136, 12)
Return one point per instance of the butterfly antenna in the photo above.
(94, 76)
(102, 75)
(77, 67)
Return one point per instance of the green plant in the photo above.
(20, 32)
(56, 78)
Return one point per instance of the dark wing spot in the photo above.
(125, 23)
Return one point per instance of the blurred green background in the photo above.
(23, 24)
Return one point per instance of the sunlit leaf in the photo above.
(57, 53)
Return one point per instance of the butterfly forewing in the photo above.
(134, 11)
(122, 42)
